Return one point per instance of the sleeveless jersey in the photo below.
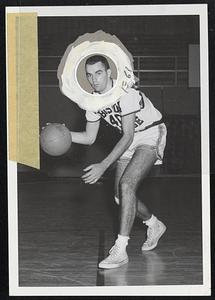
(132, 102)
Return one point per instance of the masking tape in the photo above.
(23, 98)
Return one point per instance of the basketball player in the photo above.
(140, 147)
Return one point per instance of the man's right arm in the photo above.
(88, 136)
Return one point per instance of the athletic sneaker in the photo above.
(116, 258)
(154, 233)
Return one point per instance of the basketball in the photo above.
(55, 139)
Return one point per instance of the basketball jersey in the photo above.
(132, 102)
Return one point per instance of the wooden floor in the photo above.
(66, 227)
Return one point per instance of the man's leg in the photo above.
(137, 169)
(142, 211)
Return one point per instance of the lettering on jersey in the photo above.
(109, 110)
(138, 122)
(113, 116)
(102, 113)
(115, 120)
(116, 107)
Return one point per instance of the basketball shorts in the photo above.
(153, 138)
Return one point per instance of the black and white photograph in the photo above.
(108, 150)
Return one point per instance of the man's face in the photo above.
(98, 76)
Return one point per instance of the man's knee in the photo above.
(126, 186)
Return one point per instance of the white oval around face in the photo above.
(75, 86)
(99, 77)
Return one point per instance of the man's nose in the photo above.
(95, 77)
(94, 80)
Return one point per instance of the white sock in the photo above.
(122, 241)
(151, 221)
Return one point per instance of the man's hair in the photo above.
(97, 58)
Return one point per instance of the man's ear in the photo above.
(109, 72)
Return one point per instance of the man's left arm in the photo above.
(95, 171)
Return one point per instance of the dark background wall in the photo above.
(160, 46)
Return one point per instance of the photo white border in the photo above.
(173, 290)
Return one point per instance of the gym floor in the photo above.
(67, 227)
